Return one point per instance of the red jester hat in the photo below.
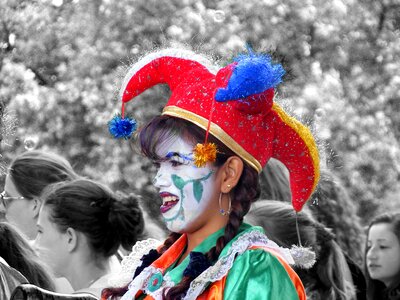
(234, 104)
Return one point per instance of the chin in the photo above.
(176, 229)
(181, 228)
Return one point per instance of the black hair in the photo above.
(32, 171)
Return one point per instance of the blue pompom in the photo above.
(253, 74)
(122, 127)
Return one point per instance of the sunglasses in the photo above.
(5, 200)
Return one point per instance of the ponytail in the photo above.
(125, 219)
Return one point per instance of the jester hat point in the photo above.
(234, 104)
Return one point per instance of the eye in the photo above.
(175, 163)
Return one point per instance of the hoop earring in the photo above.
(222, 211)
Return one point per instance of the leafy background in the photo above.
(61, 63)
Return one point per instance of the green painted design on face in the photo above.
(178, 181)
(197, 190)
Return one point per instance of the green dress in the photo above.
(251, 272)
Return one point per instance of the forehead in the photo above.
(382, 231)
(176, 144)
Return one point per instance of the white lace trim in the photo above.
(224, 264)
(130, 262)
(212, 274)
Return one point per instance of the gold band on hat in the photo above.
(216, 131)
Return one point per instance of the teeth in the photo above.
(169, 198)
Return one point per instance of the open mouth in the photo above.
(169, 201)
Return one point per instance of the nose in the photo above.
(162, 178)
(2, 208)
(371, 253)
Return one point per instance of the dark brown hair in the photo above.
(19, 254)
(32, 171)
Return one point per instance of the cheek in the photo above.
(43, 246)
(393, 261)
(12, 209)
(48, 243)
(14, 216)
(49, 250)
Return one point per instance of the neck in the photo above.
(196, 238)
(83, 272)
(390, 284)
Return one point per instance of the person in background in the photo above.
(28, 174)
(81, 225)
(329, 278)
(10, 278)
(382, 257)
(332, 206)
(20, 255)
(274, 181)
(217, 131)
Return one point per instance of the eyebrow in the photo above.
(380, 240)
(184, 156)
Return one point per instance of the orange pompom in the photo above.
(204, 153)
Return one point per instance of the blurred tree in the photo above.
(61, 63)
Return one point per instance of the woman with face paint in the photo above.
(217, 131)
(382, 257)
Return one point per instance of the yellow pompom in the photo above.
(204, 153)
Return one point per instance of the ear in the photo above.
(71, 239)
(36, 205)
(231, 171)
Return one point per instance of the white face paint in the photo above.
(186, 190)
